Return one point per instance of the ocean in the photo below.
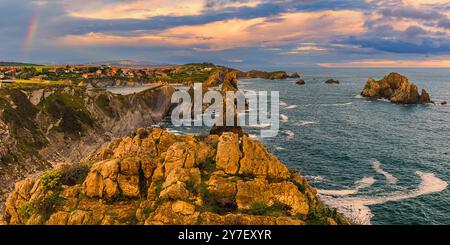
(377, 162)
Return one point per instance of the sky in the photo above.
(236, 33)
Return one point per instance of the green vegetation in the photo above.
(50, 180)
(320, 215)
(75, 118)
(26, 210)
(260, 208)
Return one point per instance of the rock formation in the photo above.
(294, 75)
(41, 126)
(332, 81)
(444, 103)
(300, 82)
(229, 84)
(396, 88)
(154, 177)
(276, 75)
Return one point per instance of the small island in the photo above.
(397, 89)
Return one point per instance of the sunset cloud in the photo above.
(286, 29)
(433, 63)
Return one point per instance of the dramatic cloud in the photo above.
(286, 29)
(236, 32)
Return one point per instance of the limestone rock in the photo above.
(228, 153)
(58, 218)
(257, 161)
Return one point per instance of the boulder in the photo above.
(300, 82)
(444, 103)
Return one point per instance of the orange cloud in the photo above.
(135, 9)
(237, 33)
(432, 63)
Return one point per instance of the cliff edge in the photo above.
(154, 177)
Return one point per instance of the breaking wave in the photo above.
(389, 177)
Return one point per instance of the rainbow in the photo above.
(31, 31)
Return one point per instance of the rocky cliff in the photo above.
(397, 89)
(41, 126)
(155, 177)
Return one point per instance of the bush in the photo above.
(26, 210)
(73, 175)
(51, 179)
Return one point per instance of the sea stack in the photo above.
(395, 88)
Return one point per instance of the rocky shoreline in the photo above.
(154, 177)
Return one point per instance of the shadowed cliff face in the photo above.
(41, 126)
(155, 177)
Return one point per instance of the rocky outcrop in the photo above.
(395, 88)
(444, 103)
(300, 82)
(332, 81)
(154, 177)
(42, 126)
(276, 75)
(230, 84)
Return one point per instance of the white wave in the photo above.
(341, 104)
(292, 107)
(279, 148)
(317, 178)
(262, 125)
(173, 131)
(360, 184)
(358, 96)
(389, 177)
(357, 208)
(290, 134)
(282, 103)
(304, 123)
(253, 136)
(284, 118)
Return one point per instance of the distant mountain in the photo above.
(16, 64)
(129, 64)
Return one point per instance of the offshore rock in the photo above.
(395, 88)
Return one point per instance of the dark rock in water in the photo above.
(300, 82)
(294, 75)
(332, 81)
(396, 88)
(425, 97)
(444, 103)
